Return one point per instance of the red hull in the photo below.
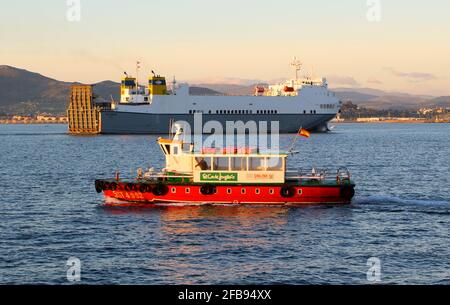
(239, 194)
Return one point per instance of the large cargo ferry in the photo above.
(150, 109)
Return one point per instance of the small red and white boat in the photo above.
(228, 176)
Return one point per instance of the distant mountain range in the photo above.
(25, 92)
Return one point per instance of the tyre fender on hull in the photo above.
(347, 192)
(99, 186)
(287, 191)
(130, 187)
(144, 188)
(160, 190)
(113, 186)
(208, 189)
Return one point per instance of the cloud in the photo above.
(411, 76)
(373, 80)
(343, 80)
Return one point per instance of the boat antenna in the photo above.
(170, 128)
(174, 82)
(297, 65)
(138, 66)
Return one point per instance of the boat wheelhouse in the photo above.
(222, 166)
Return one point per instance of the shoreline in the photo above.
(392, 122)
(31, 122)
(12, 122)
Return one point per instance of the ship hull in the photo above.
(116, 122)
(234, 194)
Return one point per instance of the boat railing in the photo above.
(342, 175)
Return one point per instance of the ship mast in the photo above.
(297, 65)
(174, 82)
(137, 75)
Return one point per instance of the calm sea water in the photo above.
(401, 214)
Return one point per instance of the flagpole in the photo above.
(294, 141)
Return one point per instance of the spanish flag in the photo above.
(304, 133)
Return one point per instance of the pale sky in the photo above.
(408, 50)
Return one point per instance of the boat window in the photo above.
(221, 163)
(243, 191)
(188, 190)
(228, 191)
(256, 164)
(203, 164)
(275, 164)
(239, 164)
(271, 192)
(257, 191)
(163, 149)
(167, 146)
(128, 83)
(175, 150)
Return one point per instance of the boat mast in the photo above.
(174, 82)
(297, 66)
(137, 75)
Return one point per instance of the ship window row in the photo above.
(327, 106)
(240, 163)
(145, 99)
(235, 111)
(266, 111)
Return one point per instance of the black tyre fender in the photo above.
(287, 191)
(99, 186)
(160, 190)
(347, 192)
(208, 189)
(113, 186)
(144, 188)
(105, 185)
(129, 187)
